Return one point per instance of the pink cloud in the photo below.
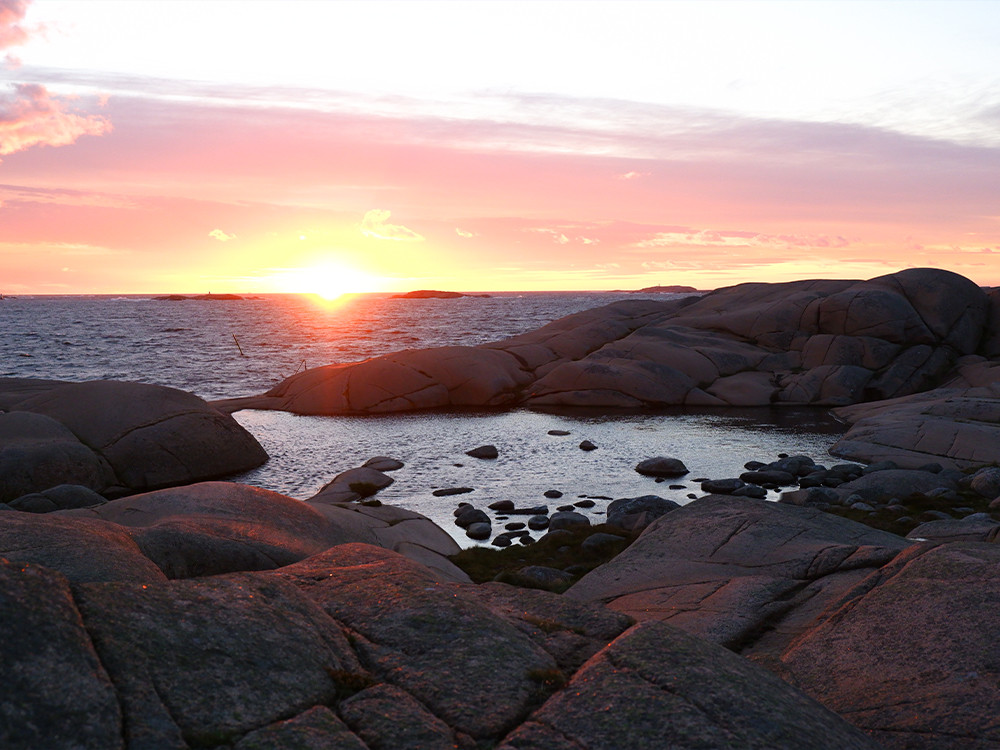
(11, 32)
(33, 117)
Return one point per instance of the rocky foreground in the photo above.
(142, 607)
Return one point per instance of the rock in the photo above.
(353, 484)
(144, 437)
(600, 543)
(383, 463)
(657, 687)
(825, 342)
(502, 505)
(567, 520)
(208, 660)
(448, 491)
(538, 523)
(586, 445)
(538, 510)
(986, 482)
(469, 666)
(661, 467)
(501, 540)
(584, 504)
(968, 529)
(862, 506)
(315, 729)
(483, 451)
(37, 452)
(636, 513)
(55, 693)
(768, 476)
(722, 486)
(895, 483)
(811, 496)
(387, 717)
(559, 433)
(722, 567)
(751, 490)
(479, 530)
(542, 577)
(82, 550)
(60, 497)
(516, 526)
(565, 508)
(470, 516)
(887, 658)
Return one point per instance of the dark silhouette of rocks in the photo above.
(113, 437)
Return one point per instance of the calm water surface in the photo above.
(190, 345)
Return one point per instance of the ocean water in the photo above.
(196, 346)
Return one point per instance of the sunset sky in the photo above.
(259, 146)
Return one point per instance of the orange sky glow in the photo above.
(150, 171)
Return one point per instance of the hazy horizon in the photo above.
(497, 146)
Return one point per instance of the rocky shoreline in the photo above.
(144, 605)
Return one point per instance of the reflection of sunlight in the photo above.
(327, 281)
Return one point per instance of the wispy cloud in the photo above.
(712, 238)
(376, 224)
(465, 233)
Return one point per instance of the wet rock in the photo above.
(383, 463)
(722, 486)
(502, 505)
(751, 490)
(661, 466)
(769, 476)
(516, 526)
(553, 494)
(484, 451)
(584, 503)
(479, 531)
(567, 520)
(470, 516)
(586, 445)
(559, 433)
(538, 510)
(448, 491)
(538, 523)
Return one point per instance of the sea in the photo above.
(227, 348)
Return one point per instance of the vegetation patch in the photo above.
(561, 550)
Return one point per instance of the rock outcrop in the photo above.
(358, 647)
(897, 637)
(211, 528)
(114, 438)
(808, 342)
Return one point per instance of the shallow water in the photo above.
(307, 452)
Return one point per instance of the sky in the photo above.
(338, 146)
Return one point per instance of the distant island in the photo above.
(434, 294)
(180, 297)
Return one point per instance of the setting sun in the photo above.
(327, 280)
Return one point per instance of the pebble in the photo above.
(559, 432)
(552, 494)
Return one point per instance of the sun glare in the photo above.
(328, 281)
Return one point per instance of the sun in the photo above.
(328, 281)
